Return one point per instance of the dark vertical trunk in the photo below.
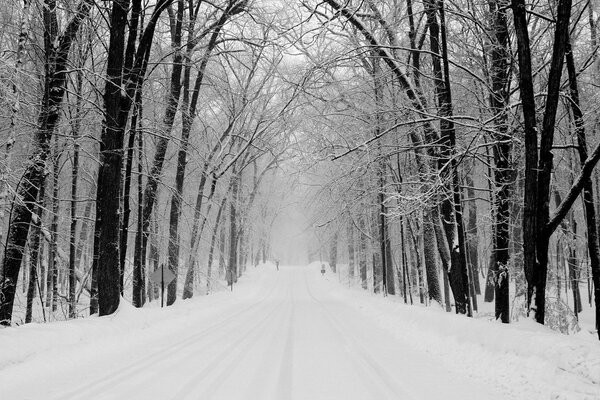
(222, 242)
(417, 261)
(528, 106)
(403, 267)
(451, 204)
(213, 240)
(350, 240)
(133, 132)
(35, 255)
(75, 174)
(542, 239)
(126, 69)
(362, 251)
(333, 253)
(472, 237)
(109, 176)
(387, 273)
(378, 256)
(56, 53)
(503, 173)
(153, 290)
(490, 285)
(53, 260)
(94, 283)
(588, 193)
(232, 265)
(151, 190)
(429, 250)
(84, 230)
(175, 211)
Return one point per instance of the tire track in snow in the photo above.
(140, 365)
(226, 360)
(285, 380)
(376, 372)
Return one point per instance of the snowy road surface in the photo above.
(283, 335)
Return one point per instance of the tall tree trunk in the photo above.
(588, 191)
(503, 173)
(417, 260)
(222, 242)
(537, 263)
(131, 145)
(35, 255)
(150, 191)
(387, 273)
(333, 253)
(14, 112)
(530, 202)
(429, 250)
(472, 239)
(53, 264)
(109, 176)
(362, 250)
(451, 204)
(76, 126)
(233, 230)
(56, 52)
(211, 250)
(173, 244)
(350, 240)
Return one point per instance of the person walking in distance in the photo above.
(277, 264)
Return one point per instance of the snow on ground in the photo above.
(294, 334)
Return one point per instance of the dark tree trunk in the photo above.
(333, 253)
(126, 69)
(53, 250)
(528, 106)
(538, 169)
(75, 174)
(84, 230)
(150, 192)
(451, 204)
(472, 238)
(378, 256)
(429, 250)
(173, 244)
(362, 251)
(588, 195)
(233, 230)
(35, 255)
(350, 240)
(133, 132)
(417, 261)
(109, 176)
(503, 173)
(213, 240)
(222, 242)
(33, 178)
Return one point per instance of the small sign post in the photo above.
(162, 276)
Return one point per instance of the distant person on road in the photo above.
(322, 269)
(277, 264)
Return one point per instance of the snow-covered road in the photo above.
(284, 335)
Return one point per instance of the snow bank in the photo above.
(525, 360)
(42, 345)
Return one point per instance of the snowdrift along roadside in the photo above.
(524, 359)
(35, 344)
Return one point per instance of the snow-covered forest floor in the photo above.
(294, 334)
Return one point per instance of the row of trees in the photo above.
(450, 144)
(117, 81)
(473, 125)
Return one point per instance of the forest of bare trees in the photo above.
(443, 151)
